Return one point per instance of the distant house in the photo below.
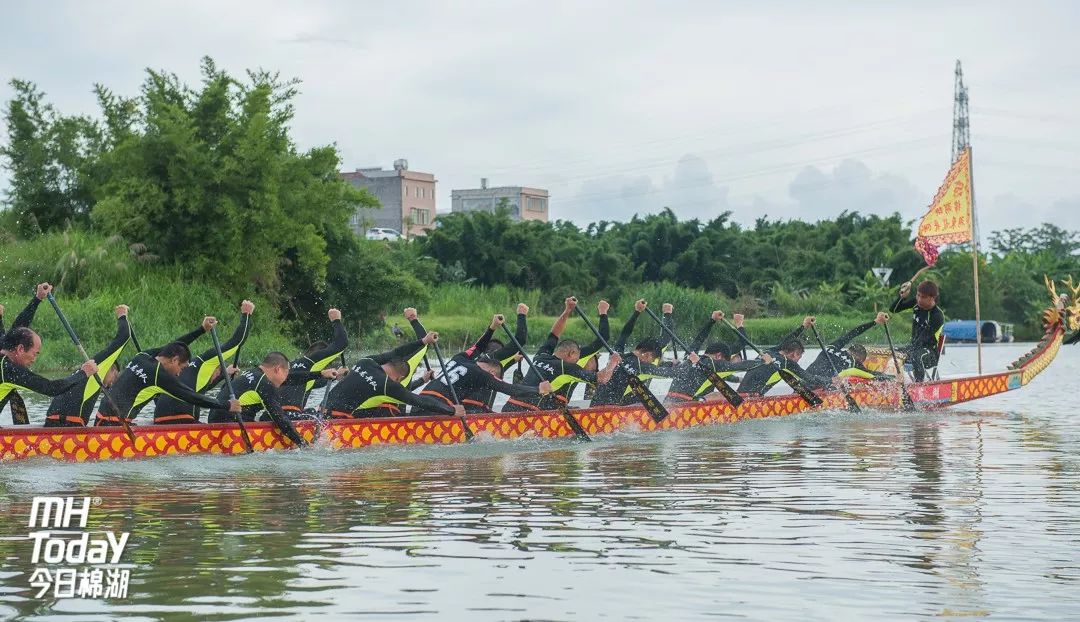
(407, 199)
(523, 202)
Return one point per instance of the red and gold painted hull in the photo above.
(86, 444)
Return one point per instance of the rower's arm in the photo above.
(627, 330)
(513, 390)
(795, 334)
(23, 378)
(172, 385)
(421, 402)
(23, 319)
(237, 339)
(847, 337)
(521, 331)
(299, 377)
(701, 336)
(667, 328)
(596, 345)
(901, 304)
(110, 352)
(321, 358)
(663, 371)
(272, 401)
(481, 344)
(403, 352)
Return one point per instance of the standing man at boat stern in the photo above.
(257, 390)
(156, 371)
(74, 406)
(927, 322)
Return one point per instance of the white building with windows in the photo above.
(523, 202)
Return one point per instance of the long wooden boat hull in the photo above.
(88, 444)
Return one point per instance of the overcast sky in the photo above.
(786, 109)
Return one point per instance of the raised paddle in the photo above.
(563, 409)
(453, 392)
(851, 404)
(731, 395)
(232, 394)
(788, 376)
(652, 405)
(78, 344)
(905, 398)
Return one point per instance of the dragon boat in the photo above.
(89, 444)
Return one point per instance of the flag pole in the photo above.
(975, 258)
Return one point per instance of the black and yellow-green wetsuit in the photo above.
(759, 380)
(74, 406)
(926, 327)
(835, 357)
(548, 367)
(199, 375)
(143, 379)
(366, 388)
(469, 379)
(294, 395)
(256, 393)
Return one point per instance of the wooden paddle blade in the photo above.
(655, 409)
(19, 415)
(574, 424)
(731, 395)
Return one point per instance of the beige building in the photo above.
(523, 202)
(407, 199)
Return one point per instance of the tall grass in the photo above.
(93, 274)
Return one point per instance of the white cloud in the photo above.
(605, 100)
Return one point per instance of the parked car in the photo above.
(376, 233)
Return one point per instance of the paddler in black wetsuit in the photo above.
(555, 363)
(22, 320)
(74, 406)
(845, 361)
(927, 322)
(786, 355)
(692, 379)
(638, 362)
(18, 351)
(376, 380)
(474, 379)
(589, 359)
(318, 356)
(155, 371)
(202, 373)
(504, 354)
(257, 390)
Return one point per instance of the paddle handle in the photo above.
(232, 393)
(442, 371)
(517, 345)
(743, 338)
(821, 344)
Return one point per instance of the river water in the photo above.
(970, 513)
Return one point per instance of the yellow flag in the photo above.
(948, 221)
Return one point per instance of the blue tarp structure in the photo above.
(964, 330)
